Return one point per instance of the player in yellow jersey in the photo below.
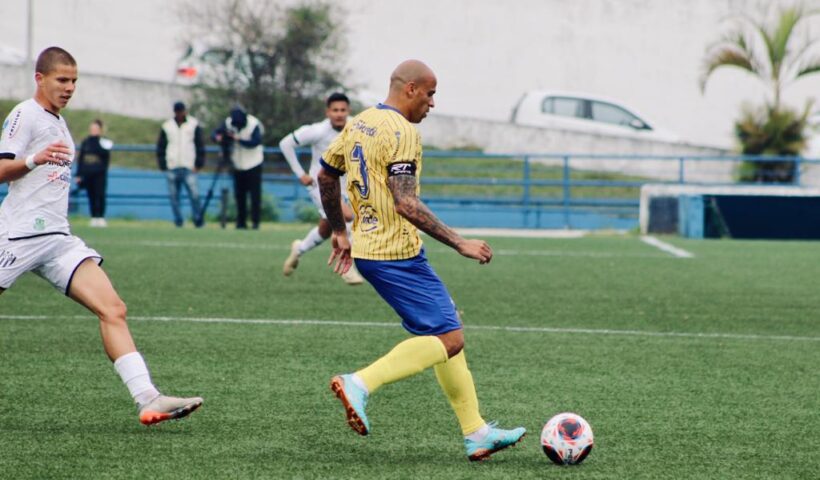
(380, 151)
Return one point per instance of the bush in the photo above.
(306, 212)
(769, 131)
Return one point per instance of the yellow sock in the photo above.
(457, 382)
(408, 358)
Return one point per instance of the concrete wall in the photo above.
(152, 99)
(449, 132)
(125, 96)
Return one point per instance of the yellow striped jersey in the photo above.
(377, 143)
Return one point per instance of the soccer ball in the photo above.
(566, 439)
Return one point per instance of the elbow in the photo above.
(324, 178)
(405, 208)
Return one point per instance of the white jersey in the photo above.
(37, 203)
(319, 136)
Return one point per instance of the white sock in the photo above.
(311, 241)
(479, 434)
(359, 383)
(134, 374)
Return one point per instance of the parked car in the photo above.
(586, 113)
(205, 64)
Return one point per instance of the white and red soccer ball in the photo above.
(566, 439)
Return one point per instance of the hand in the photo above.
(340, 253)
(57, 153)
(477, 249)
(218, 138)
(306, 180)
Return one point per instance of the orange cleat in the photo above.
(165, 408)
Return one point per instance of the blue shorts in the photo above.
(415, 292)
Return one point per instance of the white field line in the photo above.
(240, 246)
(174, 244)
(671, 249)
(494, 328)
(521, 233)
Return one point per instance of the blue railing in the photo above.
(520, 190)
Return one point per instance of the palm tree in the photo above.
(773, 53)
(778, 55)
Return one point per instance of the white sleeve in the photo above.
(307, 135)
(16, 134)
(288, 146)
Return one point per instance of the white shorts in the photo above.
(52, 257)
(316, 198)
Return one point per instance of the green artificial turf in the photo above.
(697, 368)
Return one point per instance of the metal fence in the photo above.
(474, 189)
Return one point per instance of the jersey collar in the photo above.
(382, 106)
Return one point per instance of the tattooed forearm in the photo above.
(331, 193)
(409, 206)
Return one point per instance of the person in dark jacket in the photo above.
(92, 170)
(180, 154)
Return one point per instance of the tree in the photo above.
(278, 63)
(775, 54)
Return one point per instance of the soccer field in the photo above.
(702, 367)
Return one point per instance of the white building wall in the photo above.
(646, 53)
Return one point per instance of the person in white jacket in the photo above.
(318, 136)
(242, 135)
(180, 154)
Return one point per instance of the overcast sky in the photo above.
(486, 53)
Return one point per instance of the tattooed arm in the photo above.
(331, 193)
(410, 206)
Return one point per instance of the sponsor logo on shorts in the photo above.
(7, 259)
(39, 224)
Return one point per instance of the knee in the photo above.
(114, 312)
(454, 349)
(453, 342)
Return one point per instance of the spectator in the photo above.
(241, 134)
(180, 154)
(92, 170)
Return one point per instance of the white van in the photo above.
(586, 113)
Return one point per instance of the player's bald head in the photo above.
(411, 71)
(50, 58)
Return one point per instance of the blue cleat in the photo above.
(354, 399)
(496, 439)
